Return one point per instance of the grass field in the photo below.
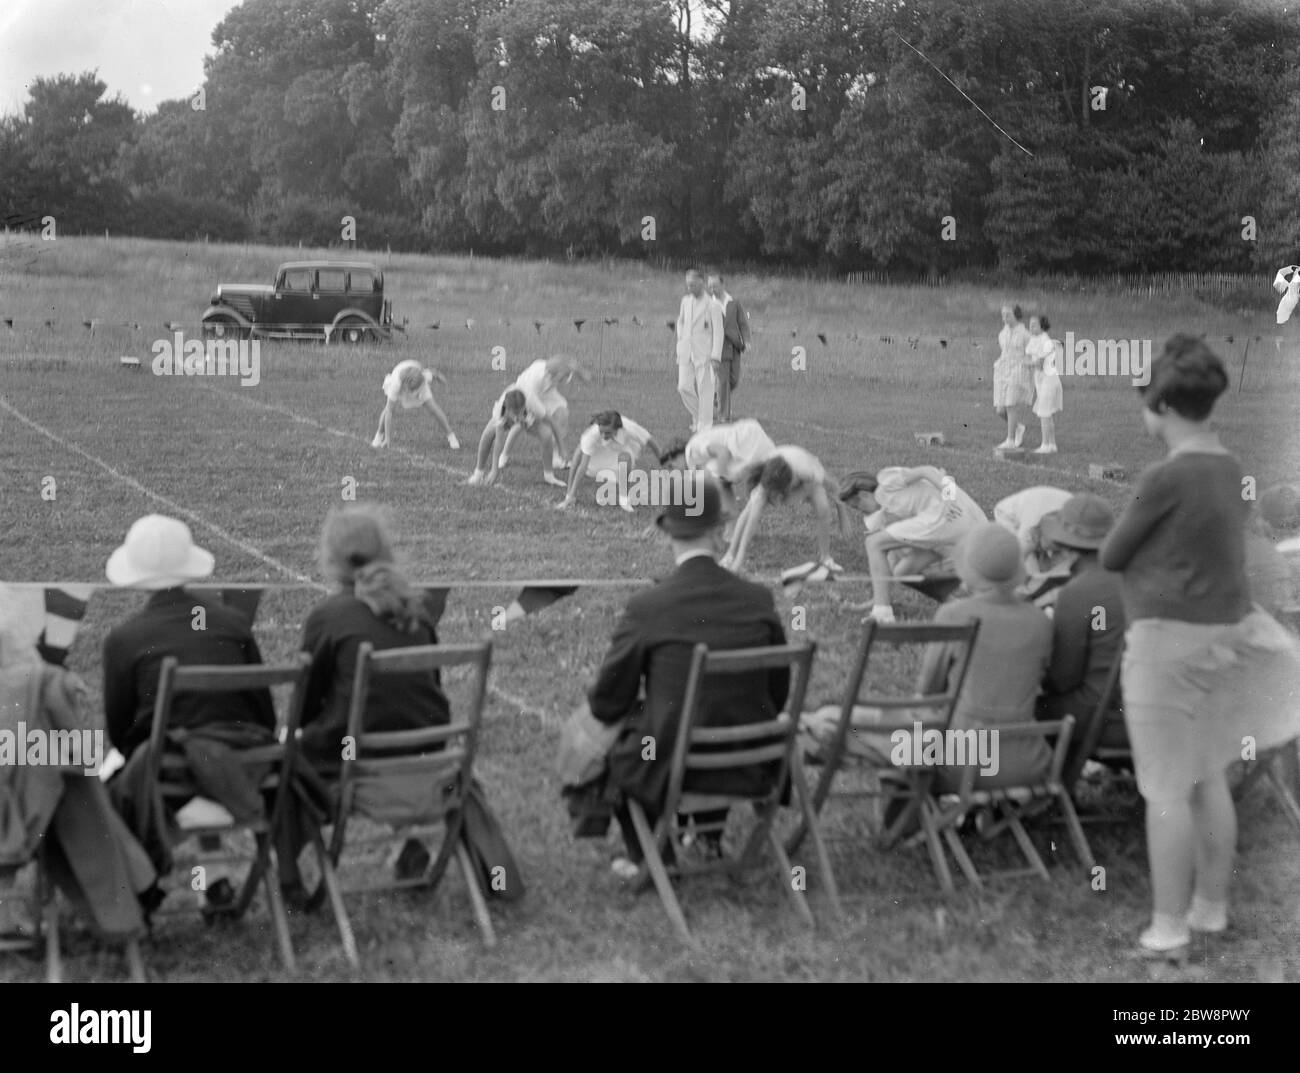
(255, 469)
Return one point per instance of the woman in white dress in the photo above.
(1045, 355)
(1013, 383)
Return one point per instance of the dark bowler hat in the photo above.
(685, 522)
(1082, 522)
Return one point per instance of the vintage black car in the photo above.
(339, 301)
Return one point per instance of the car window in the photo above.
(297, 279)
(332, 279)
(362, 283)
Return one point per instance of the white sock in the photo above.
(1206, 915)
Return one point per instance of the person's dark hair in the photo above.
(608, 418)
(777, 476)
(513, 400)
(1044, 323)
(858, 481)
(677, 447)
(1187, 377)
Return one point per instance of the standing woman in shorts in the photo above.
(1205, 676)
(1013, 376)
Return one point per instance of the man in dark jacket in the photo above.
(643, 677)
(736, 337)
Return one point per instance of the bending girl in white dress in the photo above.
(611, 442)
(408, 384)
(541, 381)
(790, 475)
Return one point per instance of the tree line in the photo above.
(919, 136)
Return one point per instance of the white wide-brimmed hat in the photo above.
(158, 553)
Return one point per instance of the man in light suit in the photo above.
(699, 350)
(735, 331)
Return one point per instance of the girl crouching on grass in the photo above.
(514, 410)
(790, 475)
(408, 384)
(1205, 675)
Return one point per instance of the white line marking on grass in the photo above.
(171, 505)
(965, 452)
(197, 519)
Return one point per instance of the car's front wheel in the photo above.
(354, 331)
(223, 328)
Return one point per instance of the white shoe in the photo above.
(1046, 449)
(1005, 445)
(558, 463)
(452, 442)
(551, 478)
(883, 613)
(503, 461)
(476, 477)
(624, 868)
(378, 441)
(1020, 435)
(832, 566)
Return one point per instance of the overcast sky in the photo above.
(146, 50)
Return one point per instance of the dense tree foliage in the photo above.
(835, 133)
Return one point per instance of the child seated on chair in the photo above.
(374, 603)
(1008, 661)
(1006, 665)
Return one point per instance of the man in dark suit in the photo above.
(735, 341)
(643, 677)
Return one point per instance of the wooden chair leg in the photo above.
(1027, 845)
(1285, 797)
(962, 857)
(275, 900)
(476, 899)
(654, 863)
(799, 900)
(935, 847)
(819, 844)
(135, 962)
(330, 881)
(1075, 828)
(50, 911)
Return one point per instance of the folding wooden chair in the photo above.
(696, 750)
(1279, 769)
(442, 758)
(168, 779)
(910, 785)
(1011, 805)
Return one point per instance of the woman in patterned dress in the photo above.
(1013, 376)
